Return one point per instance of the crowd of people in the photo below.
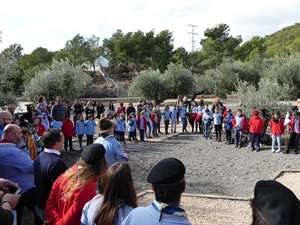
(99, 188)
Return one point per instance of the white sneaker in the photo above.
(273, 150)
(277, 151)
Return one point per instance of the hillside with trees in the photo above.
(220, 67)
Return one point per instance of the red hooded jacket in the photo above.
(256, 125)
(67, 128)
(277, 128)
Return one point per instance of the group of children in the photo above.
(252, 128)
(148, 120)
(120, 128)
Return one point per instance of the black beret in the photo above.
(276, 203)
(93, 153)
(167, 172)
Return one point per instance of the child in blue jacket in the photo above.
(228, 126)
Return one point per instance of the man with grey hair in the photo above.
(5, 118)
(18, 167)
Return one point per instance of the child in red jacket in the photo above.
(277, 129)
(256, 126)
(68, 131)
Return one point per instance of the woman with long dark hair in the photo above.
(76, 186)
(117, 200)
(27, 117)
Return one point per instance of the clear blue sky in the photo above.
(49, 24)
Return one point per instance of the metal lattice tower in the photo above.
(193, 34)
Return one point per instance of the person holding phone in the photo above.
(8, 201)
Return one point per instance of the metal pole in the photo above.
(193, 34)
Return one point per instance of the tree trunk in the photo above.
(266, 120)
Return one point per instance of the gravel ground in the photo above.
(208, 211)
(291, 180)
(211, 168)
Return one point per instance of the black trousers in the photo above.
(167, 126)
(89, 139)
(68, 139)
(131, 136)
(228, 136)
(122, 136)
(218, 129)
(294, 141)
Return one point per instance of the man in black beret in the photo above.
(274, 204)
(168, 184)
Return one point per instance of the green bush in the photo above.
(150, 85)
(61, 79)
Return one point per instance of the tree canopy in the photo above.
(61, 79)
(222, 61)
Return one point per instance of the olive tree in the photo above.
(62, 79)
(285, 69)
(8, 92)
(150, 85)
(265, 98)
(180, 79)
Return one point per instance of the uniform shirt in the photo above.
(114, 151)
(56, 124)
(79, 127)
(150, 216)
(182, 112)
(1, 129)
(193, 109)
(296, 126)
(91, 208)
(217, 118)
(122, 125)
(90, 127)
(134, 123)
(199, 109)
(174, 113)
(167, 115)
(147, 115)
(207, 118)
(130, 125)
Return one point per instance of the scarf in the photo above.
(171, 210)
